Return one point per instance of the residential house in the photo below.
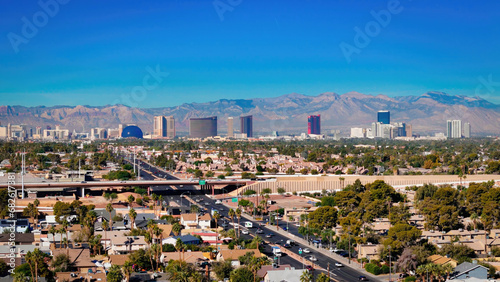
(369, 251)
(186, 239)
(194, 221)
(80, 258)
(468, 270)
(462, 235)
(99, 276)
(189, 257)
(233, 255)
(19, 239)
(441, 260)
(21, 225)
(126, 244)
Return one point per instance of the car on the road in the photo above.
(309, 267)
(218, 202)
(269, 235)
(198, 200)
(297, 224)
(313, 258)
(338, 264)
(362, 278)
(259, 231)
(287, 245)
(206, 203)
(306, 250)
(244, 232)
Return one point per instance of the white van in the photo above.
(248, 224)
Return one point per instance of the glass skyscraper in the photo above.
(314, 124)
(384, 117)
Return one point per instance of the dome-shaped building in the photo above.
(132, 131)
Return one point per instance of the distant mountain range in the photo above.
(286, 114)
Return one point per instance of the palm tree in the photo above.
(306, 276)
(216, 216)
(65, 225)
(342, 181)
(105, 226)
(148, 238)
(132, 214)
(238, 215)
(231, 214)
(474, 218)
(53, 231)
(157, 232)
(61, 231)
(448, 268)
(179, 246)
(109, 208)
(34, 259)
(31, 211)
(155, 200)
(127, 269)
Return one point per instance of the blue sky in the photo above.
(99, 52)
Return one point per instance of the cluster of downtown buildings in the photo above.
(384, 129)
(164, 127)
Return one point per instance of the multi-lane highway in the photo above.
(338, 273)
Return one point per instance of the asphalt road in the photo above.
(343, 273)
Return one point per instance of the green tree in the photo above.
(180, 271)
(400, 236)
(323, 218)
(242, 274)
(114, 274)
(322, 278)
(62, 263)
(222, 269)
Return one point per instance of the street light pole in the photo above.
(349, 234)
(390, 263)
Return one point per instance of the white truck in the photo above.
(248, 224)
(277, 251)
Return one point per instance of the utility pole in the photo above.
(23, 160)
(328, 271)
(349, 233)
(390, 263)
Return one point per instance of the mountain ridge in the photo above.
(286, 113)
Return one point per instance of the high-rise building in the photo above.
(164, 126)
(454, 128)
(314, 124)
(170, 127)
(203, 127)
(384, 117)
(160, 126)
(409, 130)
(246, 125)
(401, 129)
(230, 130)
(467, 129)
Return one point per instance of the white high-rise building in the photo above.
(467, 129)
(358, 132)
(454, 128)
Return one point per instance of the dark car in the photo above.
(309, 267)
(363, 278)
(344, 254)
(287, 246)
(259, 231)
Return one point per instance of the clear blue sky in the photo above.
(95, 52)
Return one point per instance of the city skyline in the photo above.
(247, 51)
